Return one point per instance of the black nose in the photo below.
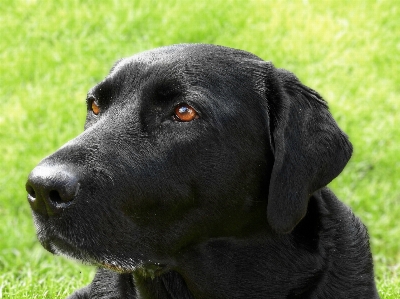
(51, 189)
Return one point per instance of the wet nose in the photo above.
(51, 189)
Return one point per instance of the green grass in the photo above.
(52, 52)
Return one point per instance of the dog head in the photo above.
(182, 144)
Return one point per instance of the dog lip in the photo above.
(47, 244)
(149, 269)
(60, 246)
(56, 244)
(114, 267)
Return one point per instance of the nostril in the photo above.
(31, 191)
(34, 198)
(55, 197)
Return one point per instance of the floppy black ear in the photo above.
(309, 148)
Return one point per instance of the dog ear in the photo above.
(309, 148)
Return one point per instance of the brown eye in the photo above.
(185, 113)
(95, 107)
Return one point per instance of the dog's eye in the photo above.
(95, 107)
(185, 113)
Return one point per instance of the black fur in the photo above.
(232, 204)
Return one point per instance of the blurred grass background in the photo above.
(52, 52)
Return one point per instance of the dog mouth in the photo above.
(90, 251)
(59, 246)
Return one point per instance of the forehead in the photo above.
(187, 68)
(189, 58)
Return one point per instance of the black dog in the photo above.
(202, 173)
